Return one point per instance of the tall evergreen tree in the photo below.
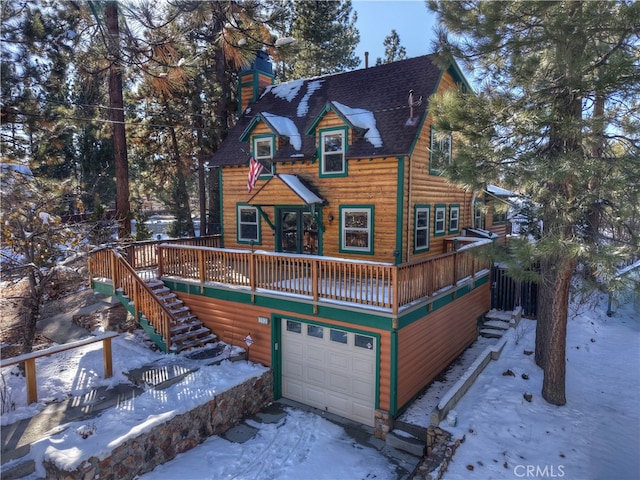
(327, 37)
(392, 49)
(553, 119)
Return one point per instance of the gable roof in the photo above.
(375, 100)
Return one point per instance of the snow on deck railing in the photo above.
(373, 284)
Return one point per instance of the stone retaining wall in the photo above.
(179, 434)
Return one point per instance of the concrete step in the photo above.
(401, 440)
(18, 470)
(491, 332)
(503, 315)
(415, 430)
(498, 324)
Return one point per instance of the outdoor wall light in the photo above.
(330, 218)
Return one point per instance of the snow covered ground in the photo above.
(595, 436)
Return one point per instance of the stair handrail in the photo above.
(160, 319)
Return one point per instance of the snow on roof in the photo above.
(286, 91)
(362, 119)
(501, 192)
(285, 127)
(303, 106)
(294, 183)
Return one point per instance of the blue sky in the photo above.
(410, 18)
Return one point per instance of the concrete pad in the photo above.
(406, 442)
(240, 433)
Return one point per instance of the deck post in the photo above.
(30, 375)
(314, 284)
(394, 291)
(114, 279)
(160, 262)
(107, 355)
(252, 276)
(202, 270)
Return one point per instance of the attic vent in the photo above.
(411, 120)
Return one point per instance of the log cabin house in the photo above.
(347, 262)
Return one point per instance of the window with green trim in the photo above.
(332, 152)
(454, 218)
(356, 226)
(422, 223)
(440, 149)
(263, 148)
(248, 224)
(439, 220)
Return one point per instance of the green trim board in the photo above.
(393, 387)
(354, 315)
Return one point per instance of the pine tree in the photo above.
(327, 37)
(555, 118)
(392, 49)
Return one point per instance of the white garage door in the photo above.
(330, 369)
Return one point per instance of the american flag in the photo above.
(255, 169)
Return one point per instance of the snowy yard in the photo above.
(595, 436)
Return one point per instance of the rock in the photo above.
(528, 396)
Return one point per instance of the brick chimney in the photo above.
(253, 80)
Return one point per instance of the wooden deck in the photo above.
(320, 279)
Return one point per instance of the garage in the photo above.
(330, 369)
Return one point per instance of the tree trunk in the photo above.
(553, 385)
(182, 204)
(116, 107)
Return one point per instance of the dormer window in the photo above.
(332, 152)
(263, 152)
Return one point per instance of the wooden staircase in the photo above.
(187, 330)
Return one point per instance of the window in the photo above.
(263, 153)
(295, 327)
(454, 218)
(440, 151)
(499, 213)
(364, 341)
(315, 331)
(332, 152)
(422, 222)
(356, 229)
(248, 224)
(338, 336)
(478, 215)
(439, 220)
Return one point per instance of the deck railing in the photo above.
(111, 265)
(141, 255)
(321, 278)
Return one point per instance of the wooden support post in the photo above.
(30, 374)
(394, 292)
(108, 357)
(113, 272)
(314, 284)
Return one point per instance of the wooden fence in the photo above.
(29, 360)
(507, 293)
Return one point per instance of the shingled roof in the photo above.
(375, 101)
